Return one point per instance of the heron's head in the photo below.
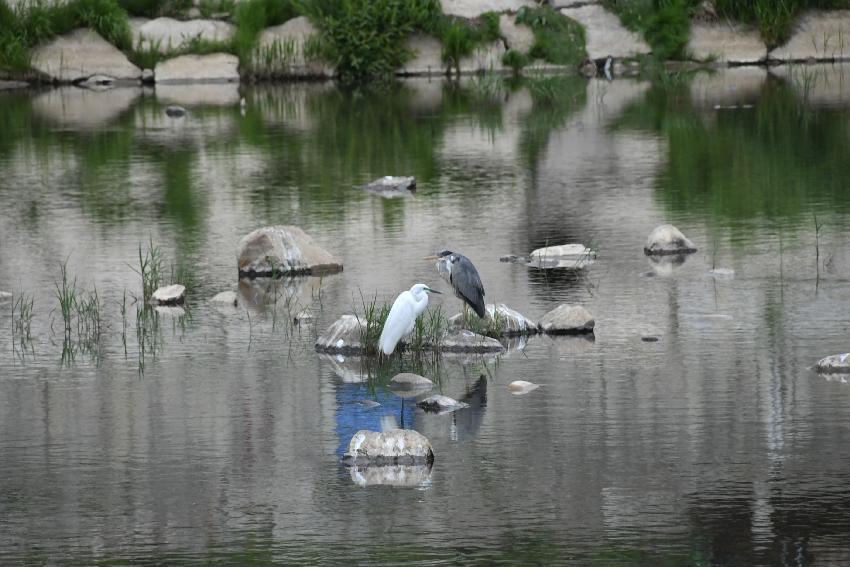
(422, 288)
(442, 255)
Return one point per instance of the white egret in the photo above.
(406, 308)
(461, 274)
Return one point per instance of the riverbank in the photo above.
(222, 41)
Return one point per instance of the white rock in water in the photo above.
(667, 239)
(5, 295)
(226, 298)
(574, 256)
(390, 183)
(394, 447)
(567, 319)
(427, 56)
(80, 54)
(169, 295)
(441, 404)
(276, 250)
(467, 341)
(410, 381)
(819, 35)
(606, 36)
(834, 364)
(726, 42)
(521, 387)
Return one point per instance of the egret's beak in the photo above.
(432, 257)
(434, 291)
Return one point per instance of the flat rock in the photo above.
(226, 298)
(514, 323)
(521, 387)
(12, 85)
(441, 404)
(343, 336)
(391, 475)
(817, 35)
(605, 35)
(726, 42)
(394, 447)
(175, 111)
(474, 8)
(391, 185)
(467, 341)
(518, 37)
(165, 35)
(216, 67)
(667, 239)
(427, 56)
(410, 381)
(573, 256)
(80, 54)
(5, 295)
(173, 294)
(484, 58)
(283, 51)
(834, 364)
(277, 250)
(568, 320)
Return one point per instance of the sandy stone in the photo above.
(216, 67)
(822, 36)
(80, 54)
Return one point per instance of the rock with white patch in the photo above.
(726, 42)
(817, 35)
(5, 295)
(667, 239)
(834, 364)
(567, 319)
(392, 185)
(173, 294)
(410, 382)
(441, 404)
(343, 336)
(279, 250)
(394, 447)
(518, 37)
(81, 54)
(427, 56)
(563, 256)
(521, 387)
(474, 8)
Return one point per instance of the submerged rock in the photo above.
(226, 298)
(513, 322)
(441, 404)
(667, 239)
(173, 294)
(391, 475)
(277, 250)
(834, 364)
(568, 320)
(390, 185)
(80, 54)
(521, 387)
(175, 111)
(4, 295)
(368, 404)
(343, 336)
(410, 381)
(564, 256)
(394, 447)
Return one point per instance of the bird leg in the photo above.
(465, 315)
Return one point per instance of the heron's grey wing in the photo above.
(467, 284)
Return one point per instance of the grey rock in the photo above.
(343, 336)
(606, 36)
(80, 54)
(276, 250)
(411, 476)
(5, 295)
(474, 8)
(391, 184)
(394, 447)
(817, 36)
(467, 341)
(368, 404)
(283, 51)
(834, 364)
(226, 298)
(167, 34)
(521, 387)
(572, 256)
(518, 37)
(514, 323)
(175, 111)
(667, 239)
(441, 404)
(484, 58)
(726, 42)
(568, 320)
(410, 381)
(173, 294)
(427, 56)
(216, 67)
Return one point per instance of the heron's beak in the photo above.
(435, 291)
(432, 257)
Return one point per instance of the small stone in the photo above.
(649, 339)
(173, 294)
(368, 404)
(303, 317)
(521, 387)
(568, 320)
(667, 239)
(226, 298)
(4, 295)
(441, 404)
(409, 381)
(175, 111)
(834, 364)
(391, 184)
(394, 447)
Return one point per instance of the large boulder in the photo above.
(726, 42)
(513, 322)
(834, 364)
(278, 250)
(213, 68)
(427, 56)
(817, 35)
(567, 319)
(344, 336)
(394, 447)
(165, 35)
(606, 36)
(667, 239)
(518, 37)
(81, 54)
(284, 51)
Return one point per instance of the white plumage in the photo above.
(406, 308)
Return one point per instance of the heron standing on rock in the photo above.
(461, 274)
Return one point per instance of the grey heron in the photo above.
(406, 308)
(461, 274)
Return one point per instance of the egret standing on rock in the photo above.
(461, 274)
(407, 307)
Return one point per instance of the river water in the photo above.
(214, 434)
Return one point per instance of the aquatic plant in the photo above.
(557, 38)
(428, 330)
(374, 316)
(22, 313)
(151, 266)
(489, 326)
(66, 294)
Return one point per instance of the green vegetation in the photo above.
(461, 37)
(774, 18)
(665, 24)
(253, 16)
(155, 8)
(489, 326)
(146, 55)
(557, 38)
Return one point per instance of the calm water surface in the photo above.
(213, 435)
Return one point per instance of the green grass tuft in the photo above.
(557, 38)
